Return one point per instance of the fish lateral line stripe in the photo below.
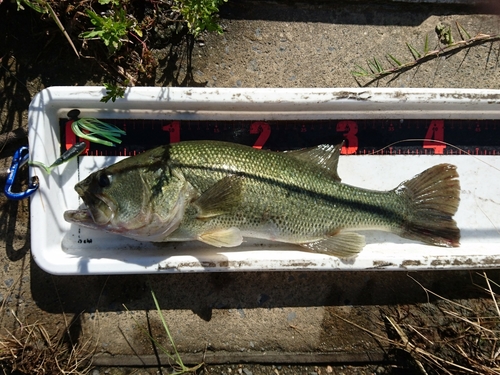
(367, 207)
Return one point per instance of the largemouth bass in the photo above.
(219, 193)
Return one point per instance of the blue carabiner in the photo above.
(20, 158)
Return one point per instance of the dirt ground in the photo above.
(286, 322)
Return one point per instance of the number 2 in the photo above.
(265, 131)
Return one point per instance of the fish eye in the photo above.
(103, 180)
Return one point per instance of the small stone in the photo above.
(329, 369)
(9, 282)
(247, 371)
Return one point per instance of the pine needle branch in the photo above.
(450, 47)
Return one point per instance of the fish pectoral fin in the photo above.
(325, 156)
(222, 238)
(223, 197)
(341, 245)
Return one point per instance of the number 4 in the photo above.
(435, 133)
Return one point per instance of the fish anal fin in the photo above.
(230, 237)
(223, 197)
(325, 156)
(341, 245)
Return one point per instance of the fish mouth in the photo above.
(99, 210)
(79, 216)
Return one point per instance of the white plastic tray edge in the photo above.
(48, 228)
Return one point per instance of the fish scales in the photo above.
(296, 197)
(219, 193)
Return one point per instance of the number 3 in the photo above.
(351, 129)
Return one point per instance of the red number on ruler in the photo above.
(262, 128)
(70, 138)
(435, 132)
(174, 128)
(351, 129)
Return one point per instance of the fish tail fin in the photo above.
(433, 197)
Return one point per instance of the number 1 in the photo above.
(174, 128)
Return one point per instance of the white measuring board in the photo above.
(62, 248)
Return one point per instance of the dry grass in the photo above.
(30, 349)
(459, 338)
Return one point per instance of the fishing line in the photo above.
(436, 141)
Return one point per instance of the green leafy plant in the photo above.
(112, 2)
(111, 30)
(444, 34)
(199, 15)
(376, 70)
(113, 92)
(179, 367)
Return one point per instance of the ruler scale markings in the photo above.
(480, 137)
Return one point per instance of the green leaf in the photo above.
(199, 15)
(378, 65)
(375, 66)
(33, 5)
(414, 52)
(462, 31)
(111, 30)
(398, 63)
(361, 72)
(426, 44)
(113, 92)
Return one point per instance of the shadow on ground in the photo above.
(351, 12)
(202, 292)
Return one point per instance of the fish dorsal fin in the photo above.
(341, 245)
(230, 237)
(223, 197)
(325, 156)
